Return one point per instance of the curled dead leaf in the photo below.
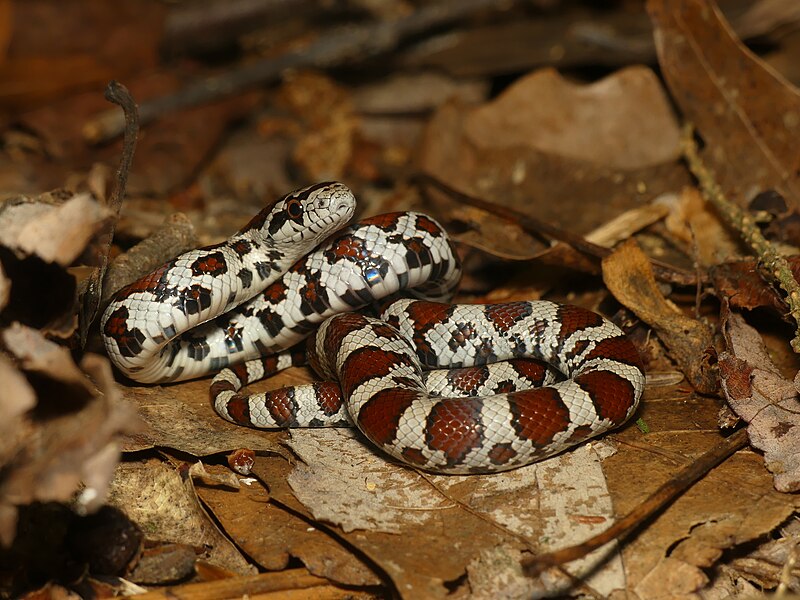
(760, 395)
(57, 233)
(68, 441)
(628, 275)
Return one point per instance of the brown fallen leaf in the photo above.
(176, 415)
(164, 563)
(39, 238)
(217, 477)
(742, 285)
(271, 535)
(96, 42)
(628, 275)
(189, 134)
(733, 506)
(623, 121)
(165, 507)
(766, 565)
(748, 115)
(695, 225)
(326, 145)
(55, 231)
(424, 531)
(761, 396)
(571, 194)
(70, 441)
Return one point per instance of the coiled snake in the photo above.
(246, 301)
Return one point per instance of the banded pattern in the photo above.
(265, 289)
(153, 332)
(380, 367)
(322, 404)
(150, 327)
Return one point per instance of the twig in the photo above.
(250, 585)
(775, 266)
(538, 228)
(206, 26)
(354, 43)
(658, 500)
(118, 94)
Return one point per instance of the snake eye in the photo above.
(294, 208)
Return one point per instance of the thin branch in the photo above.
(775, 266)
(261, 585)
(119, 95)
(657, 501)
(90, 301)
(536, 227)
(354, 43)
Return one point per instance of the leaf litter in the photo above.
(585, 150)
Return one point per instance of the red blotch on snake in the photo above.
(618, 348)
(505, 316)
(539, 415)
(611, 394)
(368, 363)
(574, 318)
(454, 428)
(380, 415)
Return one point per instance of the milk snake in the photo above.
(246, 301)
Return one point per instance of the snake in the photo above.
(424, 379)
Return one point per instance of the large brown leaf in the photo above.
(748, 115)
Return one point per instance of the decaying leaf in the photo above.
(61, 420)
(272, 535)
(181, 417)
(743, 286)
(622, 121)
(424, 530)
(327, 146)
(164, 505)
(759, 394)
(71, 438)
(628, 275)
(692, 221)
(56, 232)
(574, 194)
(748, 115)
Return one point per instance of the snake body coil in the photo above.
(264, 289)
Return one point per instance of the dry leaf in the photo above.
(623, 121)
(742, 285)
(628, 275)
(177, 415)
(575, 195)
(694, 222)
(326, 147)
(56, 233)
(748, 115)
(424, 530)
(165, 507)
(222, 477)
(271, 535)
(71, 440)
(759, 394)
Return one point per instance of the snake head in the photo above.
(306, 216)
